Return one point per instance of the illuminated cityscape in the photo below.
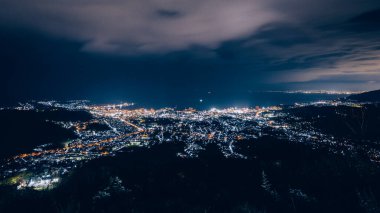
(125, 127)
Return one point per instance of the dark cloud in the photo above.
(370, 17)
(168, 13)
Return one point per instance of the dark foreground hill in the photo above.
(371, 96)
(277, 176)
(21, 131)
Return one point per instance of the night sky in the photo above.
(174, 49)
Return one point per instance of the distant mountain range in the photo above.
(372, 96)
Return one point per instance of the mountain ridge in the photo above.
(372, 96)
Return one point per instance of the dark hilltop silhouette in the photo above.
(371, 96)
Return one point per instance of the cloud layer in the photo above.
(151, 26)
(280, 41)
(137, 26)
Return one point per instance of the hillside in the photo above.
(372, 96)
